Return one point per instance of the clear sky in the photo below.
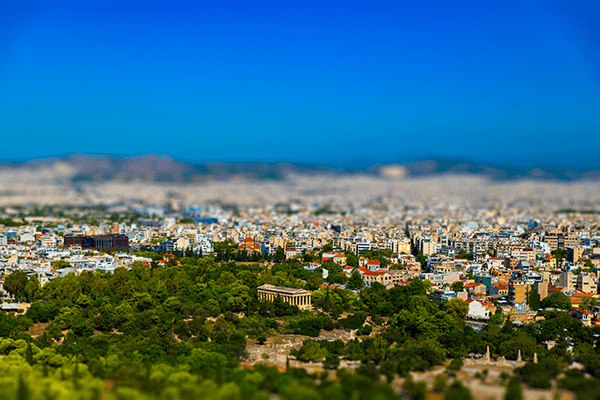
(326, 82)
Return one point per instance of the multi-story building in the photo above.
(517, 292)
(567, 280)
(586, 283)
(542, 288)
(523, 253)
(103, 242)
(559, 239)
(400, 246)
(574, 253)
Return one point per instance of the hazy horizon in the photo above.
(349, 165)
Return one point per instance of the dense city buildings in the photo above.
(499, 248)
(301, 249)
(112, 242)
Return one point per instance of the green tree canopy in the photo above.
(15, 284)
(355, 281)
(533, 299)
(557, 300)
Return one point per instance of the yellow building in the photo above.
(517, 292)
(586, 283)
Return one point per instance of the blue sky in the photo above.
(508, 82)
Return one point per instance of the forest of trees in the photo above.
(181, 331)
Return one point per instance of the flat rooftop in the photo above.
(282, 290)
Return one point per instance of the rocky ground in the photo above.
(277, 350)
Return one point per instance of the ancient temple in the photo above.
(296, 297)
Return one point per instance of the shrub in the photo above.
(455, 364)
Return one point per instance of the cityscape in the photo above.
(299, 200)
(487, 255)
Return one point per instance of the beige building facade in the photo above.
(293, 296)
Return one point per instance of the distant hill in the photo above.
(159, 168)
(498, 172)
(79, 168)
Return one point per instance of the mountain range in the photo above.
(79, 168)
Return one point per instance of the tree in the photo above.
(513, 391)
(560, 254)
(332, 361)
(310, 351)
(104, 321)
(351, 259)
(38, 312)
(458, 286)
(59, 264)
(81, 327)
(22, 389)
(439, 383)
(326, 248)
(314, 281)
(463, 254)
(29, 354)
(587, 303)
(415, 390)
(557, 300)
(32, 288)
(422, 259)
(279, 254)
(15, 283)
(356, 280)
(308, 256)
(533, 299)
(497, 317)
(457, 308)
(458, 391)
(336, 277)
